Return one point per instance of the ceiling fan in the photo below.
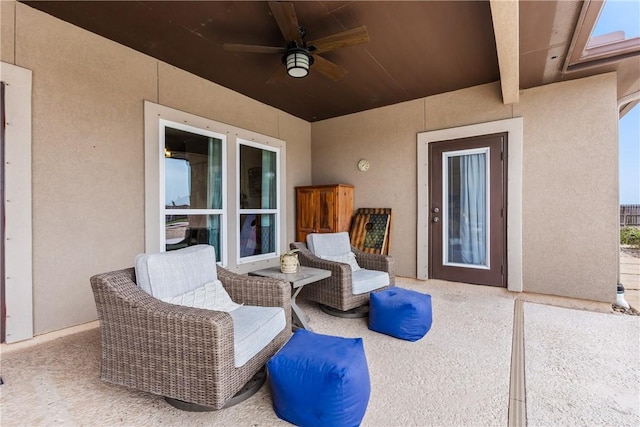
(299, 55)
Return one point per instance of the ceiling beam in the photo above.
(504, 14)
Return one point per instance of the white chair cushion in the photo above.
(211, 296)
(333, 247)
(331, 244)
(253, 328)
(168, 274)
(349, 258)
(363, 281)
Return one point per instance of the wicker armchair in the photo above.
(185, 354)
(336, 291)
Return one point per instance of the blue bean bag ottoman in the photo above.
(320, 380)
(401, 313)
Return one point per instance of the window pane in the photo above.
(188, 230)
(258, 180)
(257, 234)
(193, 170)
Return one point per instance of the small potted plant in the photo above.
(289, 262)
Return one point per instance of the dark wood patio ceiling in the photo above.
(416, 48)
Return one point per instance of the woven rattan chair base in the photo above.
(354, 313)
(248, 390)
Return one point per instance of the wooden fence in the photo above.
(629, 215)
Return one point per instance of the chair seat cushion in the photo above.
(168, 274)
(253, 328)
(320, 380)
(363, 280)
(211, 296)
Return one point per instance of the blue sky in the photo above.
(625, 15)
(619, 15)
(629, 137)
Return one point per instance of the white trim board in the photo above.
(17, 203)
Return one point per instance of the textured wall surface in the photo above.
(387, 138)
(88, 156)
(570, 188)
(570, 166)
(7, 40)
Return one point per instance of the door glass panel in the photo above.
(465, 197)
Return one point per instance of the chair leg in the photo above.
(248, 390)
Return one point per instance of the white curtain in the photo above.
(473, 209)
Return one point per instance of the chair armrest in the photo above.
(308, 259)
(376, 262)
(260, 291)
(254, 290)
(373, 261)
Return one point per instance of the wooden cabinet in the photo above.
(323, 209)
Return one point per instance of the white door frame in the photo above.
(514, 129)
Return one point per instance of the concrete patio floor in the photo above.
(630, 275)
(579, 362)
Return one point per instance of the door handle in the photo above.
(436, 210)
(435, 219)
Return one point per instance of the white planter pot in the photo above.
(289, 263)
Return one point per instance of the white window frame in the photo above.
(276, 211)
(154, 179)
(163, 123)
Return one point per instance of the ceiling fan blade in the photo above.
(350, 37)
(235, 47)
(285, 16)
(328, 68)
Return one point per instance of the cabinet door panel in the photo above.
(323, 209)
(326, 222)
(344, 210)
(305, 213)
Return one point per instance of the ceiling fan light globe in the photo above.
(298, 63)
